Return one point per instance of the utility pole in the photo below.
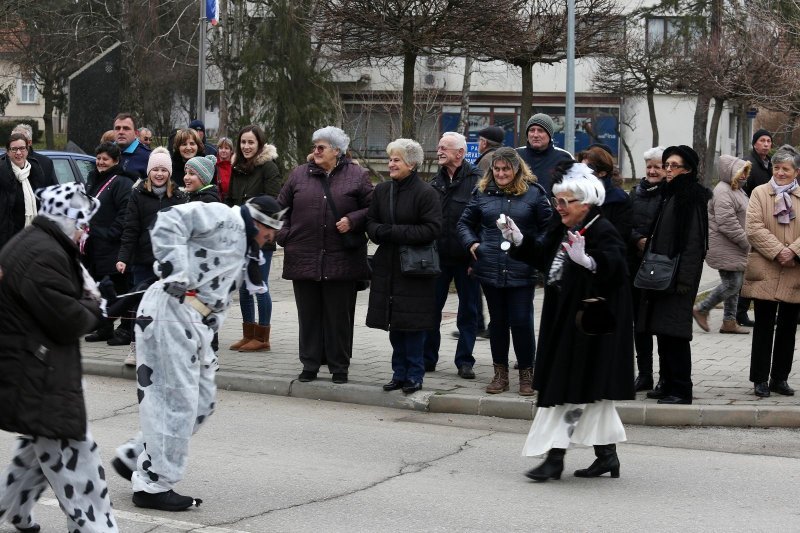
(201, 65)
(569, 108)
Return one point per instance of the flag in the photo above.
(212, 11)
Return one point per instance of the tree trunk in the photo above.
(699, 142)
(711, 150)
(526, 100)
(408, 122)
(463, 122)
(47, 95)
(651, 108)
(793, 116)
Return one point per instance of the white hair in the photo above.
(409, 151)
(583, 184)
(654, 153)
(24, 129)
(459, 140)
(336, 136)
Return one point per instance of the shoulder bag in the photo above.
(416, 261)
(657, 272)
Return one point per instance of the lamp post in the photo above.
(569, 107)
(201, 65)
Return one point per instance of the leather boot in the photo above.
(551, 468)
(500, 382)
(643, 382)
(730, 326)
(247, 336)
(701, 317)
(658, 391)
(260, 341)
(607, 461)
(526, 382)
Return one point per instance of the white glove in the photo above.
(509, 230)
(90, 285)
(576, 249)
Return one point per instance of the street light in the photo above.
(569, 108)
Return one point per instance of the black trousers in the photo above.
(764, 350)
(326, 314)
(642, 341)
(675, 357)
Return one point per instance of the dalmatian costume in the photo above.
(54, 449)
(201, 247)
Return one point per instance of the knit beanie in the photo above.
(509, 155)
(159, 157)
(760, 133)
(204, 166)
(542, 120)
(67, 205)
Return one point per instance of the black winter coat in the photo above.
(646, 200)
(542, 162)
(760, 173)
(43, 314)
(681, 228)
(143, 206)
(206, 194)
(454, 195)
(46, 164)
(12, 199)
(134, 163)
(530, 211)
(572, 367)
(105, 229)
(618, 209)
(397, 302)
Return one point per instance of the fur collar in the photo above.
(268, 153)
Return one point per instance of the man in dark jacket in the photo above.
(200, 128)
(135, 155)
(489, 139)
(454, 183)
(539, 153)
(47, 301)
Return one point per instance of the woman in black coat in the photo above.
(509, 189)
(406, 306)
(19, 179)
(579, 372)
(680, 230)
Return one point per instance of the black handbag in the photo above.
(416, 260)
(350, 240)
(657, 272)
(594, 317)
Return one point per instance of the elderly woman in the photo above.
(19, 179)
(404, 211)
(772, 276)
(646, 200)
(186, 145)
(325, 250)
(254, 173)
(579, 372)
(680, 233)
(727, 243)
(507, 189)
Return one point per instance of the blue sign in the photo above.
(472, 152)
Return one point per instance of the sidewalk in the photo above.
(722, 393)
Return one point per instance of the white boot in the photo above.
(131, 359)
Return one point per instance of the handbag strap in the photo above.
(329, 197)
(391, 202)
(106, 184)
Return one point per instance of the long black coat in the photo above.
(12, 199)
(572, 367)
(397, 302)
(681, 228)
(143, 206)
(42, 316)
(646, 198)
(107, 225)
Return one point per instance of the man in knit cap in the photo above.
(198, 177)
(47, 302)
(759, 157)
(540, 154)
(203, 252)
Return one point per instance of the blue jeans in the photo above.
(407, 359)
(511, 308)
(469, 296)
(264, 300)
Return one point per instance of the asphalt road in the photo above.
(270, 463)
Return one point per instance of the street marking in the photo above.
(158, 521)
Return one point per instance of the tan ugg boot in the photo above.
(526, 382)
(247, 336)
(701, 317)
(500, 381)
(730, 326)
(260, 341)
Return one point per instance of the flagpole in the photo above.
(201, 65)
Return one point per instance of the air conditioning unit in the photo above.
(432, 80)
(434, 63)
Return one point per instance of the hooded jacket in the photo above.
(264, 178)
(727, 211)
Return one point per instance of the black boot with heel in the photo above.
(607, 461)
(551, 468)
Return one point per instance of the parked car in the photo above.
(70, 166)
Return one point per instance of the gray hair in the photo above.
(337, 137)
(148, 130)
(459, 140)
(24, 129)
(409, 151)
(583, 184)
(654, 153)
(787, 154)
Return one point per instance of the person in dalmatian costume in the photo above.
(203, 253)
(48, 301)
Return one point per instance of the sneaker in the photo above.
(466, 372)
(131, 359)
(164, 501)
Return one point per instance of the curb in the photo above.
(640, 413)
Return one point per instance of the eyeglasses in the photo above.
(563, 203)
(319, 148)
(668, 166)
(15, 150)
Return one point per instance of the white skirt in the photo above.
(585, 424)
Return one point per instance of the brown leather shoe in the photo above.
(526, 382)
(247, 336)
(730, 326)
(500, 382)
(701, 317)
(260, 340)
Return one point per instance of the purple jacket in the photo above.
(313, 247)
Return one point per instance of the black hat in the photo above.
(197, 125)
(602, 146)
(761, 133)
(689, 156)
(493, 133)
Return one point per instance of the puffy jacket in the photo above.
(313, 248)
(12, 199)
(42, 316)
(530, 211)
(207, 194)
(454, 195)
(107, 225)
(264, 178)
(727, 211)
(542, 162)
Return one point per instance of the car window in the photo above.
(84, 167)
(63, 170)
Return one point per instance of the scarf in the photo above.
(159, 191)
(22, 175)
(783, 208)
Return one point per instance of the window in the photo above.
(28, 94)
(660, 29)
(63, 170)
